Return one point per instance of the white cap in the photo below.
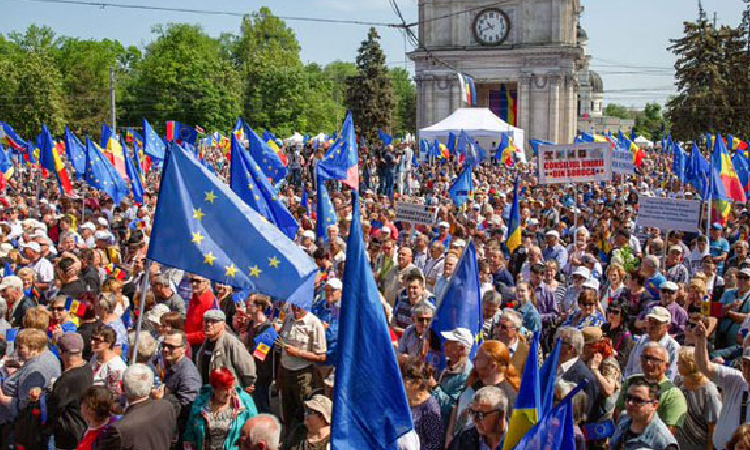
(335, 283)
(745, 271)
(670, 286)
(591, 283)
(582, 271)
(444, 225)
(102, 221)
(660, 313)
(532, 221)
(101, 234)
(11, 281)
(553, 233)
(460, 335)
(156, 312)
(308, 234)
(88, 226)
(32, 245)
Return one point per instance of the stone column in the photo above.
(428, 106)
(553, 133)
(524, 103)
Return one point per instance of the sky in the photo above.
(628, 40)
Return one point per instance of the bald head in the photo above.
(261, 432)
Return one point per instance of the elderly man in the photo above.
(412, 342)
(147, 424)
(733, 384)
(571, 367)
(327, 311)
(679, 315)
(676, 271)
(659, 320)
(181, 377)
(45, 273)
(222, 349)
(654, 279)
(441, 286)
(737, 303)
(163, 293)
(392, 281)
(507, 330)
(457, 345)
(489, 415)
(11, 289)
(262, 432)
(672, 407)
(433, 268)
(554, 250)
(642, 427)
(302, 339)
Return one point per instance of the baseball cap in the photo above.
(32, 245)
(101, 234)
(716, 226)
(102, 221)
(11, 281)
(321, 404)
(460, 335)
(444, 225)
(592, 335)
(582, 271)
(335, 283)
(669, 286)
(308, 234)
(215, 314)
(88, 226)
(70, 343)
(553, 233)
(745, 271)
(591, 283)
(156, 312)
(659, 313)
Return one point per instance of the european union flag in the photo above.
(325, 213)
(266, 158)
(555, 431)
(341, 161)
(461, 306)
(101, 175)
(742, 168)
(204, 228)
(304, 202)
(468, 149)
(75, 152)
(452, 142)
(179, 132)
(462, 187)
(249, 183)
(374, 414)
(153, 145)
(135, 179)
(678, 163)
(385, 137)
(536, 143)
(696, 172)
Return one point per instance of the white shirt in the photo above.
(44, 270)
(109, 374)
(732, 385)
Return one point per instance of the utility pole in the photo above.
(112, 99)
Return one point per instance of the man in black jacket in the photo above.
(65, 421)
(147, 424)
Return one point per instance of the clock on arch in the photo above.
(491, 26)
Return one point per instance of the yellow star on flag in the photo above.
(231, 270)
(209, 258)
(255, 271)
(250, 186)
(210, 196)
(274, 262)
(198, 214)
(197, 238)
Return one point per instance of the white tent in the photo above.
(480, 123)
(295, 139)
(643, 142)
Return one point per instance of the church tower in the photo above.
(523, 55)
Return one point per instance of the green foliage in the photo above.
(650, 123)
(337, 72)
(619, 111)
(406, 101)
(712, 81)
(370, 94)
(183, 77)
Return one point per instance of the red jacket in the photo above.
(194, 318)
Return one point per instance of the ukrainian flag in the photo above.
(514, 226)
(526, 411)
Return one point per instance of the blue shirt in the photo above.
(530, 317)
(329, 315)
(653, 285)
(717, 248)
(558, 253)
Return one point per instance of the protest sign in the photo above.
(622, 161)
(577, 163)
(415, 213)
(668, 213)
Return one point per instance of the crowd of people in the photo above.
(654, 321)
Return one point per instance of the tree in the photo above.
(183, 76)
(712, 81)
(650, 122)
(619, 111)
(405, 120)
(337, 72)
(370, 94)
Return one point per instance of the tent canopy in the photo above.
(296, 138)
(643, 142)
(480, 123)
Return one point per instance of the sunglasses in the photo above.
(588, 304)
(196, 280)
(652, 359)
(97, 339)
(478, 416)
(57, 309)
(635, 400)
(424, 319)
(170, 347)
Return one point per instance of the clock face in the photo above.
(491, 26)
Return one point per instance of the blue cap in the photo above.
(716, 226)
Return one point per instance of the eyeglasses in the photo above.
(637, 400)
(57, 309)
(97, 339)
(170, 347)
(196, 280)
(652, 359)
(743, 277)
(424, 319)
(478, 416)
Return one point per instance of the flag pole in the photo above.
(141, 307)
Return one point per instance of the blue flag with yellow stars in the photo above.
(75, 152)
(204, 228)
(248, 182)
(153, 145)
(325, 213)
(267, 159)
(100, 174)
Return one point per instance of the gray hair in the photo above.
(422, 308)
(160, 279)
(657, 346)
(137, 381)
(265, 428)
(107, 301)
(512, 316)
(653, 260)
(572, 337)
(491, 396)
(146, 344)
